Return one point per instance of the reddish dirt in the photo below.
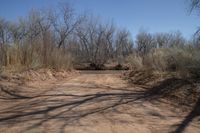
(92, 102)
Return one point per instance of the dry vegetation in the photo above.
(62, 40)
(47, 44)
(168, 68)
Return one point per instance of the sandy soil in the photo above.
(92, 102)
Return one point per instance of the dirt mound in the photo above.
(35, 75)
(182, 91)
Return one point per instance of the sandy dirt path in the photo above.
(92, 102)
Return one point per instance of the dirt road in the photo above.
(92, 102)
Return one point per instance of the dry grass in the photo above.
(39, 75)
(21, 59)
(184, 60)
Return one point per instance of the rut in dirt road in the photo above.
(96, 102)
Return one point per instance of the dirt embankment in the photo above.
(35, 75)
(12, 84)
(181, 90)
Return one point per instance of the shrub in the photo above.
(135, 61)
(181, 59)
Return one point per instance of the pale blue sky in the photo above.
(151, 15)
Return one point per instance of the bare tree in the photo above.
(43, 24)
(96, 41)
(166, 40)
(162, 40)
(145, 42)
(176, 39)
(64, 22)
(123, 44)
(194, 5)
(4, 41)
(196, 40)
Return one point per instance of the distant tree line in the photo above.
(62, 38)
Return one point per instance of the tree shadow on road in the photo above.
(188, 119)
(170, 89)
